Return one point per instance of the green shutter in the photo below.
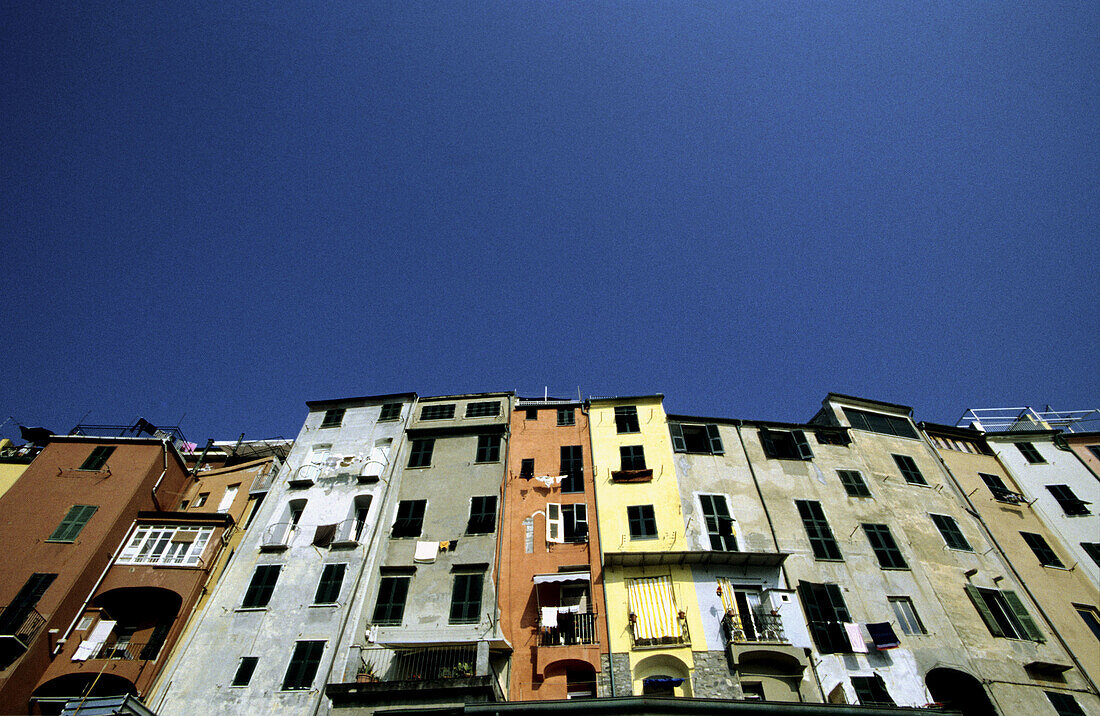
(803, 445)
(1020, 612)
(766, 443)
(716, 446)
(678, 444)
(73, 523)
(987, 616)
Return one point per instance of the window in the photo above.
(886, 549)
(826, 614)
(488, 448)
(632, 456)
(531, 414)
(833, 436)
(1095, 450)
(527, 468)
(1092, 549)
(853, 483)
(906, 615)
(303, 665)
(362, 509)
(785, 445)
(879, 423)
(1042, 550)
(420, 454)
(261, 587)
(643, 525)
(294, 509)
(466, 598)
(566, 523)
(952, 535)
(98, 458)
(245, 670)
(201, 499)
(1091, 617)
(483, 515)
(390, 607)
(909, 470)
(566, 417)
(328, 589)
(1071, 504)
(437, 412)
(573, 468)
(14, 616)
(702, 439)
(719, 524)
(228, 496)
(822, 542)
(1030, 453)
(871, 691)
(626, 419)
(1004, 614)
(410, 518)
(73, 523)
(483, 410)
(333, 418)
(1064, 704)
(390, 411)
(166, 544)
(999, 490)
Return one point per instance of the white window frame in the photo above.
(157, 545)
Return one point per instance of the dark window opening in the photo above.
(826, 614)
(261, 587)
(632, 456)
(626, 419)
(1071, 504)
(333, 418)
(1042, 550)
(952, 535)
(483, 515)
(410, 518)
(822, 542)
(466, 598)
(871, 691)
(303, 665)
(719, 524)
(879, 423)
(527, 468)
(245, 670)
(853, 483)
(420, 455)
(483, 410)
(909, 470)
(390, 411)
(437, 412)
(785, 445)
(488, 448)
(1030, 453)
(699, 439)
(567, 417)
(885, 548)
(332, 579)
(390, 607)
(643, 524)
(98, 458)
(573, 469)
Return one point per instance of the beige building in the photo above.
(1066, 598)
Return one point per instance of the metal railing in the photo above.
(278, 536)
(418, 663)
(126, 651)
(682, 639)
(23, 624)
(579, 628)
(345, 532)
(757, 626)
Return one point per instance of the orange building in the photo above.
(551, 582)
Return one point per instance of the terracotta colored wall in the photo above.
(33, 508)
(538, 672)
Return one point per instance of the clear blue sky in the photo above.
(220, 211)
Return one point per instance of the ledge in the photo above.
(646, 559)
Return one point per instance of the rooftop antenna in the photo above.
(545, 392)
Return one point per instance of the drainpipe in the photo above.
(153, 493)
(599, 544)
(1004, 558)
(62, 641)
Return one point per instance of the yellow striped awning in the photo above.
(651, 601)
(728, 601)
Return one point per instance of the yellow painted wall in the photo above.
(611, 503)
(9, 473)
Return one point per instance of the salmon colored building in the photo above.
(551, 584)
(65, 518)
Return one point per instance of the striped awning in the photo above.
(728, 602)
(652, 603)
(563, 577)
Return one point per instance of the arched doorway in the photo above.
(662, 675)
(960, 691)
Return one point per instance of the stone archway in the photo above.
(960, 691)
(662, 675)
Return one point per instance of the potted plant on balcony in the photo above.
(366, 673)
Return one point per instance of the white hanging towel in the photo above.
(551, 480)
(855, 638)
(426, 551)
(94, 640)
(550, 617)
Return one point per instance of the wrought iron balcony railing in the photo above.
(756, 626)
(418, 663)
(572, 628)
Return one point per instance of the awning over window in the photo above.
(652, 603)
(563, 577)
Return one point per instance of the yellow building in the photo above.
(13, 462)
(650, 596)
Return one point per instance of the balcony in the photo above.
(18, 627)
(420, 674)
(346, 535)
(756, 626)
(277, 537)
(573, 628)
(676, 636)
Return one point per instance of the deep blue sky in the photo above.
(220, 211)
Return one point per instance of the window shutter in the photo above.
(580, 519)
(983, 610)
(716, 445)
(803, 445)
(678, 444)
(227, 498)
(766, 443)
(1024, 618)
(555, 531)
